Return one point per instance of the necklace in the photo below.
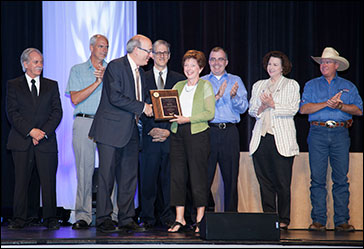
(190, 88)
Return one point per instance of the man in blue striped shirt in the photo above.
(231, 101)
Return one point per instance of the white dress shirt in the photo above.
(37, 83)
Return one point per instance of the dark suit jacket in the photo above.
(23, 115)
(149, 123)
(115, 117)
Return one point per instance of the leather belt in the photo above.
(84, 115)
(333, 124)
(221, 126)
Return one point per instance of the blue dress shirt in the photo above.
(227, 109)
(319, 90)
(81, 76)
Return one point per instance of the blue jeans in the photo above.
(333, 144)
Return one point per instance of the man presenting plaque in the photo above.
(154, 166)
(116, 133)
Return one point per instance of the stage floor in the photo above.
(66, 236)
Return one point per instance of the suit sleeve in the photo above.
(120, 89)
(16, 119)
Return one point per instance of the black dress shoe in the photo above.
(133, 227)
(80, 224)
(16, 224)
(33, 222)
(146, 225)
(53, 224)
(107, 226)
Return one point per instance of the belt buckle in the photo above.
(330, 124)
(222, 126)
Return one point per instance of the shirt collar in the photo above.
(211, 75)
(89, 63)
(132, 63)
(30, 78)
(156, 71)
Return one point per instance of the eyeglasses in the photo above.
(165, 53)
(326, 62)
(145, 50)
(213, 59)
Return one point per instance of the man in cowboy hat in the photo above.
(330, 101)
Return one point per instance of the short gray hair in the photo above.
(161, 42)
(133, 43)
(25, 56)
(94, 38)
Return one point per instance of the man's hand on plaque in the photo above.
(180, 119)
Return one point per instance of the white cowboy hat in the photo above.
(330, 53)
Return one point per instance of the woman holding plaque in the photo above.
(190, 140)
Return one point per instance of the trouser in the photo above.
(329, 144)
(274, 174)
(225, 150)
(189, 158)
(46, 163)
(84, 149)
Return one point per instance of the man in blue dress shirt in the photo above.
(330, 101)
(231, 101)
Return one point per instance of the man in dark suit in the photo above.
(155, 166)
(115, 131)
(34, 111)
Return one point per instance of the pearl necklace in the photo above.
(190, 88)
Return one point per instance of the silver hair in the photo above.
(159, 42)
(133, 43)
(94, 38)
(25, 56)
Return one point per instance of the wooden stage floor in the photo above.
(67, 236)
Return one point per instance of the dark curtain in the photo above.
(248, 30)
(21, 27)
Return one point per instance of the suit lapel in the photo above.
(25, 87)
(154, 81)
(43, 87)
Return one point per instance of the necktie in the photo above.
(137, 77)
(160, 81)
(34, 91)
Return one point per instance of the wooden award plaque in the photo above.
(165, 104)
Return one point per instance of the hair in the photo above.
(94, 38)
(25, 56)
(161, 42)
(217, 49)
(286, 63)
(133, 43)
(197, 55)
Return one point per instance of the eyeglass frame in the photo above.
(145, 50)
(165, 53)
(327, 61)
(220, 59)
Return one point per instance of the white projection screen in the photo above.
(67, 28)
